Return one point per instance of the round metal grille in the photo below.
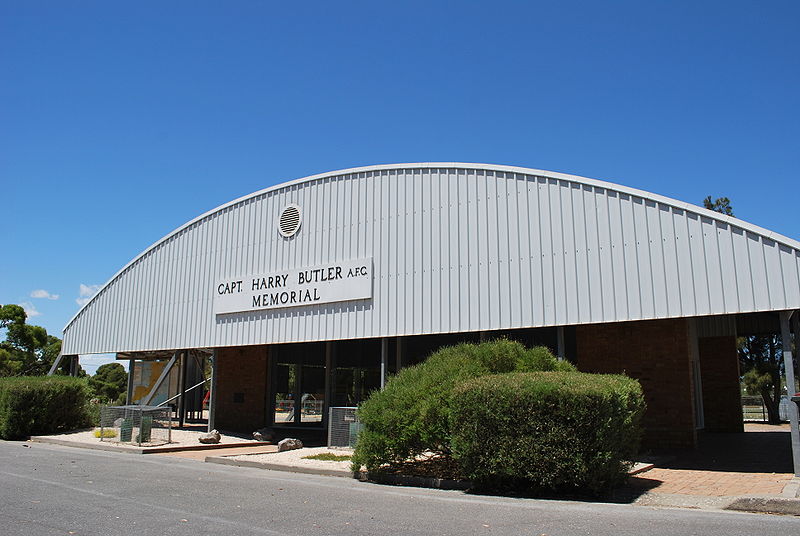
(289, 222)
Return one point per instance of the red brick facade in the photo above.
(719, 373)
(657, 353)
(242, 388)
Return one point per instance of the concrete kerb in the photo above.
(766, 505)
(224, 460)
(141, 450)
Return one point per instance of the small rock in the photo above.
(289, 444)
(264, 434)
(209, 438)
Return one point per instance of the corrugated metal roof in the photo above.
(455, 247)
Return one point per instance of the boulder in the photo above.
(211, 437)
(289, 444)
(264, 434)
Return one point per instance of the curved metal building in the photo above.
(454, 248)
(393, 253)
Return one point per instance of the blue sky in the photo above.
(121, 121)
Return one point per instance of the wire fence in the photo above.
(148, 426)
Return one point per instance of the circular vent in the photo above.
(289, 222)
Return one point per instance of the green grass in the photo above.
(328, 457)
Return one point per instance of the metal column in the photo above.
(384, 361)
(399, 354)
(182, 389)
(788, 362)
(131, 370)
(560, 343)
(212, 399)
(330, 382)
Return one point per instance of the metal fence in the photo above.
(343, 427)
(753, 409)
(140, 425)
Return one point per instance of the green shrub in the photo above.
(411, 415)
(39, 405)
(546, 431)
(93, 408)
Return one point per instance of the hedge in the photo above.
(36, 405)
(547, 431)
(411, 415)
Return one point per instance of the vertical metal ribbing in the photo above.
(584, 252)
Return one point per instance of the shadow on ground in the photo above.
(744, 452)
(753, 451)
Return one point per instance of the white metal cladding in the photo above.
(456, 247)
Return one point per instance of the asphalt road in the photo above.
(48, 489)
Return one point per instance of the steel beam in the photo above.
(791, 386)
(56, 363)
(164, 373)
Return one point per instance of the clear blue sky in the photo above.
(121, 121)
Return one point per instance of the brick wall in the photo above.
(242, 389)
(655, 352)
(719, 373)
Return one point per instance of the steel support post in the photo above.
(212, 399)
(131, 370)
(788, 362)
(329, 382)
(560, 343)
(182, 389)
(384, 361)
(399, 354)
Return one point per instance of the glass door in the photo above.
(299, 385)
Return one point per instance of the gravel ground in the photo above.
(295, 458)
(179, 438)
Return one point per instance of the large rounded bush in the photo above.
(546, 431)
(411, 415)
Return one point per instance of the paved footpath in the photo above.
(52, 489)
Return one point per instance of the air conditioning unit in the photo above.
(343, 427)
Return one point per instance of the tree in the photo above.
(720, 204)
(27, 349)
(761, 359)
(109, 382)
(11, 314)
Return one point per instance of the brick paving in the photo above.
(711, 483)
(756, 462)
